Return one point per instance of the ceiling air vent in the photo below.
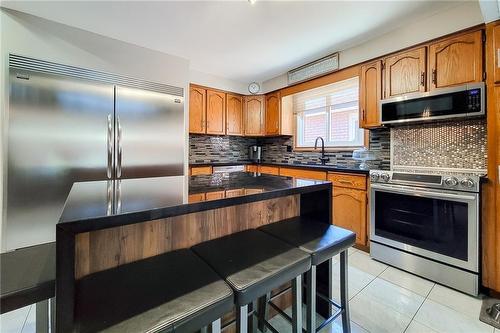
(313, 69)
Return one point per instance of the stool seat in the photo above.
(253, 263)
(322, 241)
(175, 291)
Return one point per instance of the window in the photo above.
(332, 112)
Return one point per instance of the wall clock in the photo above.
(254, 88)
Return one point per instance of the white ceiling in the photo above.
(237, 40)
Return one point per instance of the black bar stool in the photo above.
(322, 241)
(172, 292)
(254, 263)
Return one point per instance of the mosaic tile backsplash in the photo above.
(224, 149)
(277, 150)
(450, 145)
(206, 149)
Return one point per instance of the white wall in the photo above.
(31, 36)
(218, 82)
(457, 18)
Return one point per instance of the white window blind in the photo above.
(330, 111)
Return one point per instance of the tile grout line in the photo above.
(412, 275)
(360, 292)
(26, 318)
(413, 318)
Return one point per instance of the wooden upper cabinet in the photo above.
(254, 110)
(234, 114)
(273, 113)
(197, 110)
(405, 73)
(216, 112)
(496, 57)
(370, 94)
(456, 60)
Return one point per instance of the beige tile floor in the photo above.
(382, 299)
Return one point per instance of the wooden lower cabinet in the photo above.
(271, 170)
(349, 211)
(197, 197)
(235, 193)
(253, 191)
(215, 195)
(303, 173)
(347, 180)
(252, 168)
(205, 170)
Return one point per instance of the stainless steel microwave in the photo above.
(456, 102)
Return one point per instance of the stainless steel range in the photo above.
(427, 224)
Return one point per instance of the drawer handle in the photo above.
(345, 182)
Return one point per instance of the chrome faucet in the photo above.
(323, 158)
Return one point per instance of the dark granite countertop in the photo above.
(335, 168)
(104, 204)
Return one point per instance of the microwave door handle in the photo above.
(419, 193)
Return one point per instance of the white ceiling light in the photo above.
(252, 1)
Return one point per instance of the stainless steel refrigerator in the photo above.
(67, 124)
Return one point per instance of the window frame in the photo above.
(296, 147)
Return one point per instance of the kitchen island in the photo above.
(106, 224)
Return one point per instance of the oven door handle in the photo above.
(422, 193)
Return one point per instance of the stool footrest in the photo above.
(329, 319)
(331, 301)
(283, 314)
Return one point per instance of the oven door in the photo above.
(436, 224)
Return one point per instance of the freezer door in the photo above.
(57, 135)
(149, 134)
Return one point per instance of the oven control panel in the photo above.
(469, 183)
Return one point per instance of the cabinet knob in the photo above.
(422, 79)
(434, 76)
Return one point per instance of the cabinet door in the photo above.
(405, 73)
(273, 114)
(254, 115)
(349, 211)
(496, 48)
(197, 110)
(456, 60)
(234, 115)
(370, 93)
(216, 112)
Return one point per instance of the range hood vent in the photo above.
(314, 69)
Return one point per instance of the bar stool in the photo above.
(254, 263)
(322, 241)
(175, 291)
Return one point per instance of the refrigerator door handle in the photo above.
(110, 146)
(119, 143)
